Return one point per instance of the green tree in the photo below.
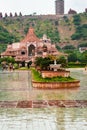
(81, 32)
(66, 19)
(68, 47)
(82, 45)
(77, 19)
(84, 57)
(8, 60)
(38, 61)
(43, 63)
(72, 57)
(62, 60)
(6, 37)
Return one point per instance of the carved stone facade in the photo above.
(30, 48)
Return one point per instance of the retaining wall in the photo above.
(51, 74)
(55, 85)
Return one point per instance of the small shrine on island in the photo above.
(54, 78)
(55, 70)
(55, 66)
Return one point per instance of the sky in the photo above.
(27, 7)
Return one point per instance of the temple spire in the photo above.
(30, 37)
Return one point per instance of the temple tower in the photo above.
(59, 7)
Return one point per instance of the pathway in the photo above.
(25, 108)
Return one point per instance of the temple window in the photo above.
(22, 52)
(31, 50)
(39, 52)
(45, 41)
(44, 48)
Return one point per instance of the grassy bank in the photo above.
(74, 65)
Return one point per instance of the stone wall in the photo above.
(51, 74)
(43, 17)
(55, 85)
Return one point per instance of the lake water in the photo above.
(16, 87)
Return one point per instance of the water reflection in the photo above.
(43, 119)
(16, 86)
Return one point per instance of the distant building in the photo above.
(1, 15)
(59, 7)
(11, 14)
(15, 14)
(71, 11)
(86, 10)
(6, 15)
(82, 49)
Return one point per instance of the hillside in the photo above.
(63, 31)
(70, 26)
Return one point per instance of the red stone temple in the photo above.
(30, 48)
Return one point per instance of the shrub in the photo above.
(16, 66)
(76, 19)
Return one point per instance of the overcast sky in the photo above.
(27, 7)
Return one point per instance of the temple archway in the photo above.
(31, 50)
